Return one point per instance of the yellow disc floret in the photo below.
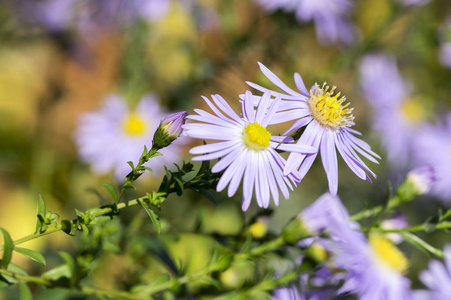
(134, 124)
(256, 137)
(387, 253)
(328, 109)
(413, 110)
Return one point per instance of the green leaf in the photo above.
(130, 163)
(8, 246)
(70, 262)
(36, 256)
(40, 215)
(153, 216)
(147, 168)
(110, 188)
(58, 272)
(25, 293)
(67, 227)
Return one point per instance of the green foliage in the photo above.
(34, 255)
(8, 246)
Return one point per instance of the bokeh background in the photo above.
(60, 60)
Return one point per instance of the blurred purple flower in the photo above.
(114, 134)
(327, 121)
(247, 148)
(433, 147)
(437, 278)
(445, 54)
(398, 221)
(413, 2)
(329, 16)
(374, 267)
(396, 115)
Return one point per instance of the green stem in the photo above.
(108, 293)
(392, 203)
(27, 278)
(422, 227)
(101, 212)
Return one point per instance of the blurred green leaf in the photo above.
(57, 272)
(25, 293)
(110, 188)
(8, 246)
(153, 216)
(34, 255)
(70, 262)
(40, 224)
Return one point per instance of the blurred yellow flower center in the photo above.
(256, 137)
(258, 230)
(134, 124)
(413, 110)
(328, 109)
(387, 253)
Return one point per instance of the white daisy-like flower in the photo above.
(114, 134)
(327, 121)
(246, 148)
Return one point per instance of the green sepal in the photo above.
(34, 255)
(8, 246)
(67, 227)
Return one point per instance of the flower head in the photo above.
(247, 148)
(432, 147)
(437, 278)
(329, 16)
(327, 121)
(393, 102)
(374, 267)
(114, 134)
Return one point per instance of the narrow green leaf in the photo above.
(34, 255)
(8, 246)
(130, 163)
(147, 168)
(85, 229)
(40, 215)
(153, 216)
(110, 188)
(25, 293)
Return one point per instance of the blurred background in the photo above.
(84, 84)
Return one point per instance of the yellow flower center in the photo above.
(387, 253)
(413, 110)
(258, 230)
(256, 137)
(134, 124)
(328, 109)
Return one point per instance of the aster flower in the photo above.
(114, 134)
(390, 97)
(437, 278)
(170, 129)
(247, 148)
(329, 16)
(432, 144)
(374, 267)
(327, 121)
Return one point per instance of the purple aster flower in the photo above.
(390, 97)
(114, 134)
(329, 16)
(327, 121)
(317, 216)
(247, 148)
(374, 267)
(437, 278)
(432, 147)
(170, 128)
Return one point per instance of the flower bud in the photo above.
(422, 179)
(170, 128)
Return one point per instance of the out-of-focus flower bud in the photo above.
(418, 182)
(170, 128)
(422, 179)
(295, 231)
(397, 222)
(259, 228)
